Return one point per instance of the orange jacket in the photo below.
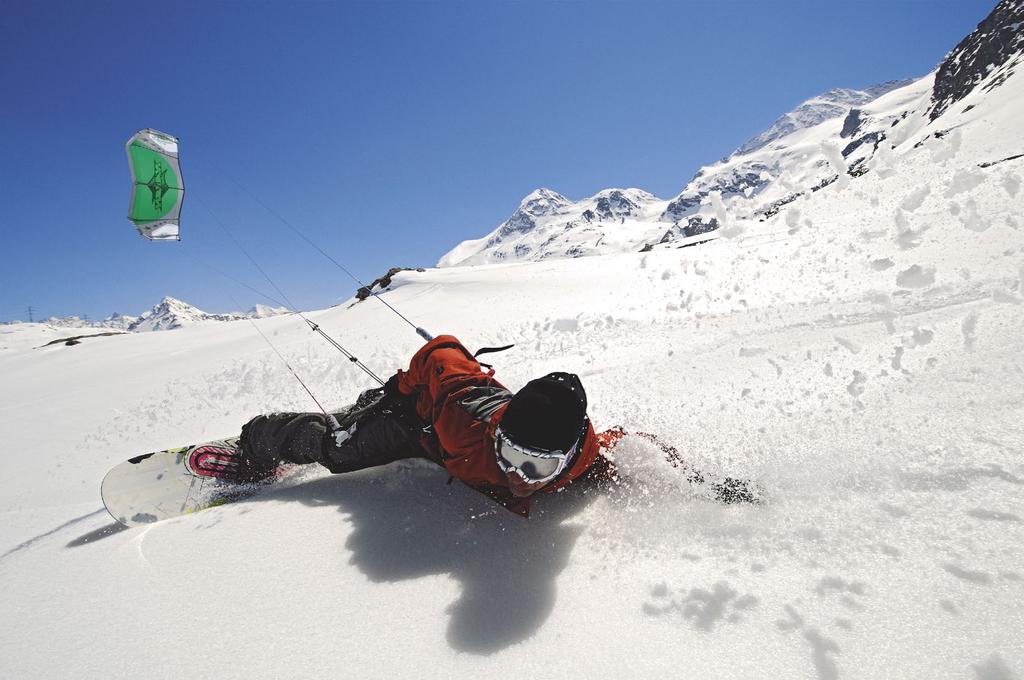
(465, 406)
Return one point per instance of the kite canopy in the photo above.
(157, 188)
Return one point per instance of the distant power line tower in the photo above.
(31, 309)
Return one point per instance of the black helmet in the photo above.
(541, 432)
(549, 413)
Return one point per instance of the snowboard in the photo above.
(164, 484)
(175, 482)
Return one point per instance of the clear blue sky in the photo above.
(386, 131)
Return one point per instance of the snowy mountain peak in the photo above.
(174, 303)
(844, 96)
(173, 313)
(632, 194)
(169, 313)
(264, 311)
(115, 321)
(549, 225)
(538, 204)
(617, 203)
(117, 318)
(816, 110)
(543, 202)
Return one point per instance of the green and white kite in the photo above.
(157, 187)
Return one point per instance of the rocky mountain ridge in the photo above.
(991, 52)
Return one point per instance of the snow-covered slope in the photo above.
(857, 353)
(862, 362)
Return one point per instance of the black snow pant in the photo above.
(374, 431)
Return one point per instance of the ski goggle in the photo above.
(532, 465)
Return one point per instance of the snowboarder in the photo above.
(448, 410)
(445, 409)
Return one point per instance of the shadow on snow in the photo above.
(410, 525)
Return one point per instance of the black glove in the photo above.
(391, 390)
(402, 405)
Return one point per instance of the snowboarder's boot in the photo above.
(229, 464)
(268, 440)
